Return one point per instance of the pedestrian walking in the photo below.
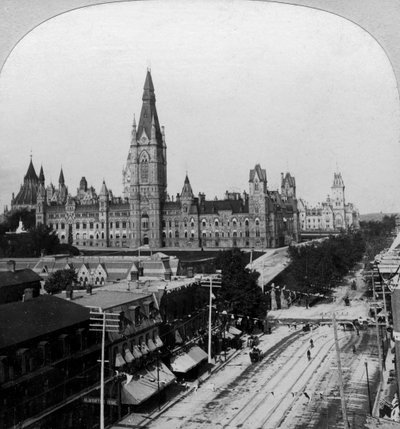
(354, 349)
(308, 355)
(311, 343)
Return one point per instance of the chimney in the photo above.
(11, 266)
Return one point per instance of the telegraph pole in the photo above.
(341, 388)
(209, 323)
(103, 335)
(206, 283)
(378, 339)
(101, 321)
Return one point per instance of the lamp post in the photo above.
(158, 378)
(224, 319)
(369, 392)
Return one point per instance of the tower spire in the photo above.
(61, 180)
(41, 175)
(148, 114)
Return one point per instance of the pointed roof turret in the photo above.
(31, 175)
(104, 190)
(61, 180)
(187, 192)
(148, 114)
(41, 176)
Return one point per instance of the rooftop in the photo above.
(23, 321)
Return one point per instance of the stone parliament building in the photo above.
(146, 215)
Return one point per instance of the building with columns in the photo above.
(333, 215)
(146, 215)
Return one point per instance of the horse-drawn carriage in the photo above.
(255, 355)
(253, 341)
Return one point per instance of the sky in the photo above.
(237, 84)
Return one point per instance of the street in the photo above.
(286, 389)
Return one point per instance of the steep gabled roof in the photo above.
(261, 173)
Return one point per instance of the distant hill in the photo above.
(374, 216)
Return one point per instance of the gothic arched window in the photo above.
(144, 167)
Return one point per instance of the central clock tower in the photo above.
(145, 174)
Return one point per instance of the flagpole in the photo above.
(209, 324)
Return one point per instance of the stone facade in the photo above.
(334, 214)
(146, 215)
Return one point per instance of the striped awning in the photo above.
(119, 361)
(144, 349)
(151, 345)
(129, 356)
(136, 352)
(158, 342)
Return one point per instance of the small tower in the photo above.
(103, 214)
(41, 200)
(338, 201)
(187, 196)
(288, 186)
(41, 176)
(258, 205)
(62, 189)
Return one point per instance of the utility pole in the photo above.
(378, 339)
(209, 323)
(209, 283)
(103, 335)
(341, 388)
(101, 321)
(369, 392)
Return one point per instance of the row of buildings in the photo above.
(146, 215)
(50, 344)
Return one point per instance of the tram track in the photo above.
(257, 402)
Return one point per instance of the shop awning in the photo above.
(144, 349)
(129, 356)
(197, 354)
(164, 375)
(228, 335)
(151, 345)
(140, 388)
(136, 352)
(186, 361)
(234, 331)
(178, 338)
(146, 383)
(158, 342)
(182, 363)
(119, 360)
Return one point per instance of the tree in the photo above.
(239, 292)
(317, 266)
(60, 280)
